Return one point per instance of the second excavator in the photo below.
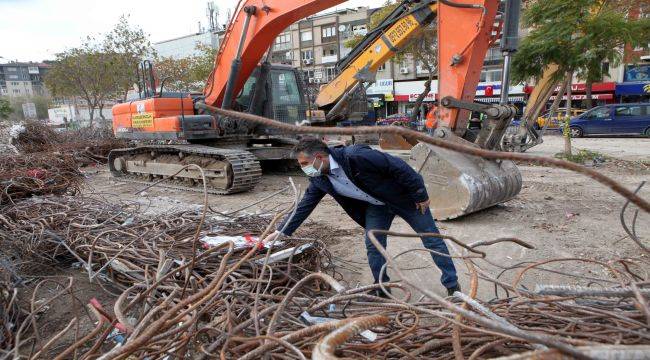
(229, 150)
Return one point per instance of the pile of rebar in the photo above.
(26, 175)
(177, 297)
(47, 161)
(87, 145)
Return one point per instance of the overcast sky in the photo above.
(34, 30)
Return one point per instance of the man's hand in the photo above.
(270, 237)
(423, 206)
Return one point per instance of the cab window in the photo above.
(285, 88)
(246, 94)
(287, 102)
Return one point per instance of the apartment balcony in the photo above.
(329, 59)
(282, 46)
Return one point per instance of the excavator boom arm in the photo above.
(270, 18)
(465, 32)
(384, 44)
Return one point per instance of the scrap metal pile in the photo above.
(198, 284)
(25, 175)
(42, 161)
(87, 145)
(186, 290)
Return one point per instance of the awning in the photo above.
(633, 88)
(495, 99)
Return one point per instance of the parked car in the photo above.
(613, 119)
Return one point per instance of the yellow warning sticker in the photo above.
(142, 120)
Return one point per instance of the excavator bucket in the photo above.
(460, 184)
(395, 142)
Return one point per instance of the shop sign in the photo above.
(584, 97)
(381, 87)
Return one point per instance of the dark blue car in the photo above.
(613, 119)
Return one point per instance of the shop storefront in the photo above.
(636, 84)
(490, 92)
(633, 92)
(601, 94)
(407, 92)
(381, 93)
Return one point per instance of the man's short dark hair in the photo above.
(310, 145)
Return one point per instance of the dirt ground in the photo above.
(564, 215)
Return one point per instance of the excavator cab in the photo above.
(280, 95)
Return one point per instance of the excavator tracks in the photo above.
(227, 171)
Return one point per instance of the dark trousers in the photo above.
(380, 217)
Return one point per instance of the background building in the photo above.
(315, 44)
(19, 79)
(185, 46)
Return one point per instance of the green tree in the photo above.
(42, 104)
(422, 49)
(189, 73)
(578, 36)
(85, 72)
(176, 74)
(203, 63)
(127, 45)
(102, 68)
(5, 109)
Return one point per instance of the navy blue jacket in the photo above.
(387, 178)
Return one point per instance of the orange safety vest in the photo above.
(431, 121)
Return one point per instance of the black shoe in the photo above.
(452, 290)
(380, 293)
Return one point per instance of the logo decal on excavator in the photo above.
(646, 88)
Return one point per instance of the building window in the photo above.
(308, 75)
(360, 30)
(306, 35)
(11, 69)
(16, 91)
(307, 54)
(283, 38)
(331, 73)
(288, 55)
(494, 54)
(329, 32)
(283, 41)
(329, 52)
(382, 67)
(605, 68)
(491, 75)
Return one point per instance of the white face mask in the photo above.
(311, 171)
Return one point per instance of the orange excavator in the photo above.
(229, 150)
